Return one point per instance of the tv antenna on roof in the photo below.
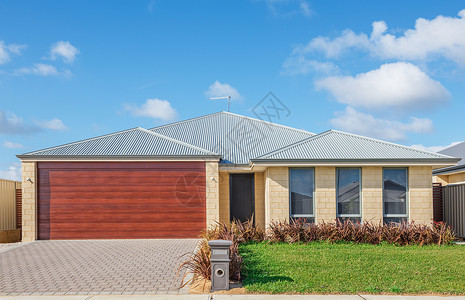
(224, 97)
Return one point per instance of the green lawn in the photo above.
(350, 268)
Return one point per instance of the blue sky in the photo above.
(71, 70)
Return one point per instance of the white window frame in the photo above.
(359, 194)
(313, 196)
(407, 195)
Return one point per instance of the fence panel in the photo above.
(19, 208)
(8, 204)
(454, 207)
(438, 211)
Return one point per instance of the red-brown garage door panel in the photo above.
(121, 200)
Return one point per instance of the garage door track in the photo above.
(93, 267)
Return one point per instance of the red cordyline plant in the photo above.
(198, 263)
(297, 231)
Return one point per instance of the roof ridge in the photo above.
(176, 141)
(293, 144)
(81, 141)
(184, 121)
(454, 146)
(390, 143)
(236, 115)
(268, 122)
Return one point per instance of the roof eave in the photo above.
(447, 170)
(118, 157)
(415, 161)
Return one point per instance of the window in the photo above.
(301, 188)
(395, 194)
(348, 193)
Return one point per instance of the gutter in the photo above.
(117, 157)
(449, 170)
(438, 161)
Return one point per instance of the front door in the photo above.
(241, 197)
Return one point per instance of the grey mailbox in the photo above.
(220, 264)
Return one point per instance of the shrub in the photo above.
(348, 231)
(198, 263)
(297, 231)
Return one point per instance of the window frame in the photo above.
(407, 195)
(360, 196)
(313, 195)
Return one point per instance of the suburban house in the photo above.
(452, 174)
(175, 180)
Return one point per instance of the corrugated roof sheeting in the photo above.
(237, 138)
(132, 142)
(340, 145)
(456, 151)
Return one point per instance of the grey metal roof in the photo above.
(133, 142)
(237, 138)
(338, 145)
(455, 151)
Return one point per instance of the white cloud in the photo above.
(365, 124)
(289, 8)
(151, 6)
(53, 124)
(434, 148)
(12, 145)
(398, 85)
(218, 89)
(12, 173)
(305, 8)
(6, 50)
(332, 48)
(38, 69)
(296, 65)
(440, 37)
(64, 49)
(154, 108)
(12, 124)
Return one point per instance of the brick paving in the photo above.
(93, 267)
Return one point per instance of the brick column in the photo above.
(420, 194)
(212, 193)
(260, 200)
(29, 202)
(224, 197)
(325, 194)
(276, 194)
(372, 194)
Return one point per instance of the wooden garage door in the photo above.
(121, 200)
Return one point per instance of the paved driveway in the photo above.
(93, 267)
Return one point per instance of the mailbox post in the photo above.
(220, 264)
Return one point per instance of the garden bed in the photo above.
(347, 268)
(340, 257)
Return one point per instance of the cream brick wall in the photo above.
(325, 194)
(260, 200)
(276, 194)
(420, 195)
(224, 197)
(450, 179)
(29, 199)
(372, 194)
(457, 178)
(442, 179)
(212, 193)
